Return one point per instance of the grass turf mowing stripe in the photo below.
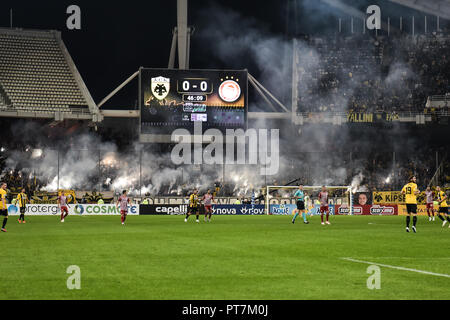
(399, 268)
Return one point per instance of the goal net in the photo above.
(280, 200)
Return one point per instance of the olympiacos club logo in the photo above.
(229, 91)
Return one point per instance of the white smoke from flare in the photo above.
(37, 153)
(356, 182)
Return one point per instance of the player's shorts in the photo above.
(193, 209)
(411, 208)
(123, 211)
(429, 205)
(22, 209)
(301, 205)
(64, 209)
(4, 212)
(323, 208)
(443, 210)
(208, 207)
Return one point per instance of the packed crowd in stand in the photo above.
(363, 74)
(357, 74)
(374, 171)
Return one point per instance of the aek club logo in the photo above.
(160, 87)
(378, 197)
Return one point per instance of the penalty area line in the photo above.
(399, 268)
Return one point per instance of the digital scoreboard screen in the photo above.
(171, 99)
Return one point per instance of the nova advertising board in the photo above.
(218, 209)
(287, 209)
(239, 209)
(315, 210)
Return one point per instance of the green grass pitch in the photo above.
(233, 257)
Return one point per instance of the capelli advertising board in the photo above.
(217, 209)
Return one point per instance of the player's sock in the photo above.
(321, 217)
(304, 216)
(408, 219)
(5, 220)
(414, 220)
(62, 216)
(448, 218)
(328, 215)
(22, 217)
(66, 214)
(295, 216)
(441, 217)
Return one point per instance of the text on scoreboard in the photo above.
(173, 99)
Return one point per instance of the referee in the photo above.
(300, 195)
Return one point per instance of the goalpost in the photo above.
(337, 195)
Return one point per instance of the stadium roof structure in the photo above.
(38, 78)
(435, 7)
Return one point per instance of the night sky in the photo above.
(117, 37)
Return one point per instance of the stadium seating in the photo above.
(363, 74)
(37, 74)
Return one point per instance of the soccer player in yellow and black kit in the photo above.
(22, 200)
(3, 206)
(411, 191)
(193, 205)
(441, 198)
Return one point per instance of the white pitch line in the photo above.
(399, 268)
(414, 258)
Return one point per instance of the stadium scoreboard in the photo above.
(172, 98)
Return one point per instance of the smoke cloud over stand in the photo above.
(315, 153)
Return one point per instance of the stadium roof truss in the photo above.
(38, 78)
(439, 8)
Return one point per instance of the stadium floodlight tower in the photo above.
(287, 192)
(181, 36)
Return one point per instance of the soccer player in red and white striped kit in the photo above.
(123, 202)
(62, 203)
(323, 198)
(429, 198)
